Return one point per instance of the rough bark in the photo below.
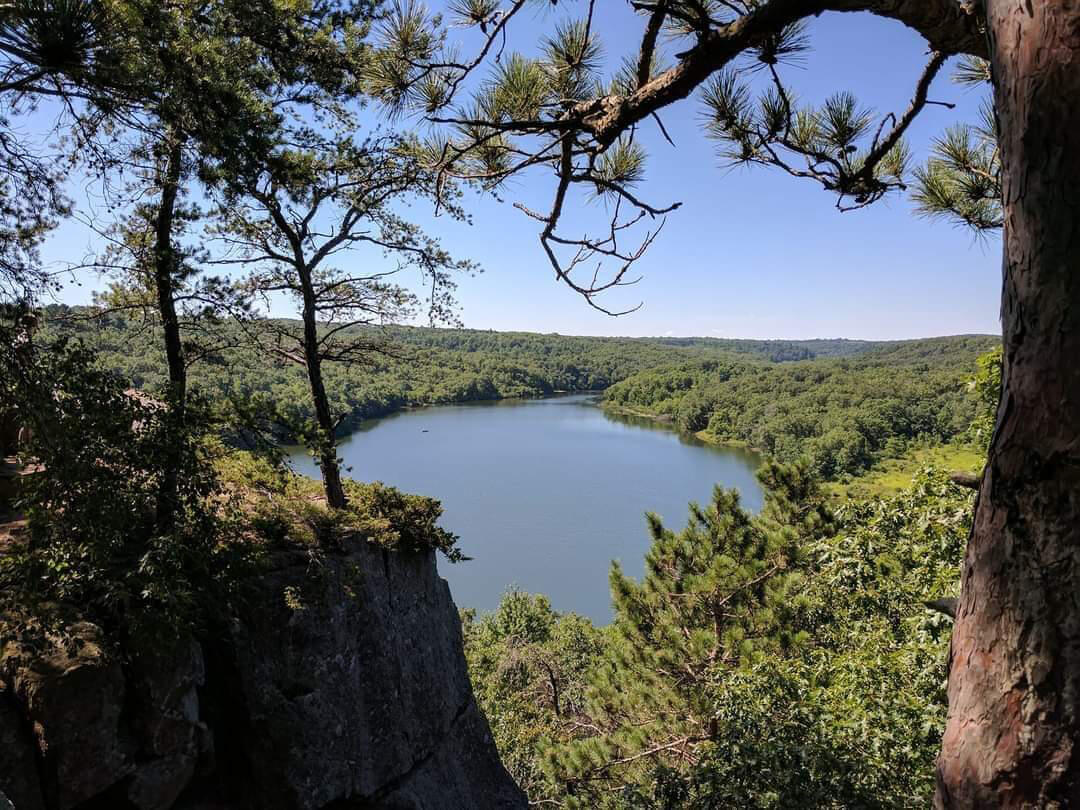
(165, 266)
(327, 449)
(1014, 681)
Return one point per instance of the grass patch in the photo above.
(283, 507)
(891, 476)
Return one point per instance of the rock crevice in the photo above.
(339, 683)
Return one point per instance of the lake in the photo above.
(543, 493)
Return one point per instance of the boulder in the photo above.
(71, 691)
(96, 727)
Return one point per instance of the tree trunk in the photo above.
(327, 446)
(165, 268)
(1014, 680)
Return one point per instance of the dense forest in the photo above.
(413, 365)
(843, 403)
(844, 414)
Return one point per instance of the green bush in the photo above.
(93, 539)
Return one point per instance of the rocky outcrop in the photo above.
(101, 725)
(347, 686)
(20, 786)
(71, 693)
(340, 683)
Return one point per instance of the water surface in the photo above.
(543, 493)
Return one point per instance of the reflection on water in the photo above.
(749, 456)
(543, 493)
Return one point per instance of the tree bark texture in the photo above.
(327, 449)
(1014, 682)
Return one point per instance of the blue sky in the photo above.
(751, 253)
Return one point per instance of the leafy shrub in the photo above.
(290, 508)
(93, 537)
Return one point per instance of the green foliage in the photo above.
(843, 414)
(845, 404)
(621, 165)
(720, 596)
(729, 680)
(836, 144)
(416, 367)
(987, 386)
(529, 667)
(961, 182)
(400, 521)
(93, 538)
(894, 474)
(281, 507)
(573, 57)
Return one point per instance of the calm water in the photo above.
(543, 493)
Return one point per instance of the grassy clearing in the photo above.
(892, 475)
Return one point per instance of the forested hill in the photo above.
(844, 413)
(788, 351)
(433, 366)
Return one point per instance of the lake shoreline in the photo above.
(491, 465)
(667, 421)
(351, 425)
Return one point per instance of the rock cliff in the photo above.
(340, 683)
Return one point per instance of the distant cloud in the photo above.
(669, 333)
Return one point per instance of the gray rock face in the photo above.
(20, 787)
(353, 681)
(71, 690)
(341, 684)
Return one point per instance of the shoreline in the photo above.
(350, 425)
(667, 421)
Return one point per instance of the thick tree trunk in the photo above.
(327, 447)
(1014, 680)
(165, 267)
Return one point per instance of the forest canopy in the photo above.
(844, 404)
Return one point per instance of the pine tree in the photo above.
(719, 596)
(291, 218)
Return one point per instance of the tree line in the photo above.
(842, 415)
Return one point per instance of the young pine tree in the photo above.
(319, 224)
(721, 595)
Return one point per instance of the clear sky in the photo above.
(751, 253)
